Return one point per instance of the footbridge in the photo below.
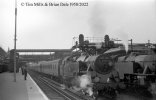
(56, 53)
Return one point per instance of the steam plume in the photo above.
(83, 83)
(124, 37)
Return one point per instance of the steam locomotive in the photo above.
(138, 71)
(99, 67)
(107, 70)
(65, 70)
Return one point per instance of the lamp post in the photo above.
(15, 41)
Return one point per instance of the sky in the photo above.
(51, 27)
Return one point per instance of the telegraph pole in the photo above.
(15, 41)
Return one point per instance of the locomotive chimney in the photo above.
(81, 39)
(106, 38)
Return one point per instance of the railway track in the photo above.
(68, 90)
(54, 91)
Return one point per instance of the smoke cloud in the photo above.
(96, 20)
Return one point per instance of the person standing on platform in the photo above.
(22, 70)
(25, 72)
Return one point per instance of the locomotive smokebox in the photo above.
(81, 39)
(104, 64)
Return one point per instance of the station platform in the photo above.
(19, 90)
